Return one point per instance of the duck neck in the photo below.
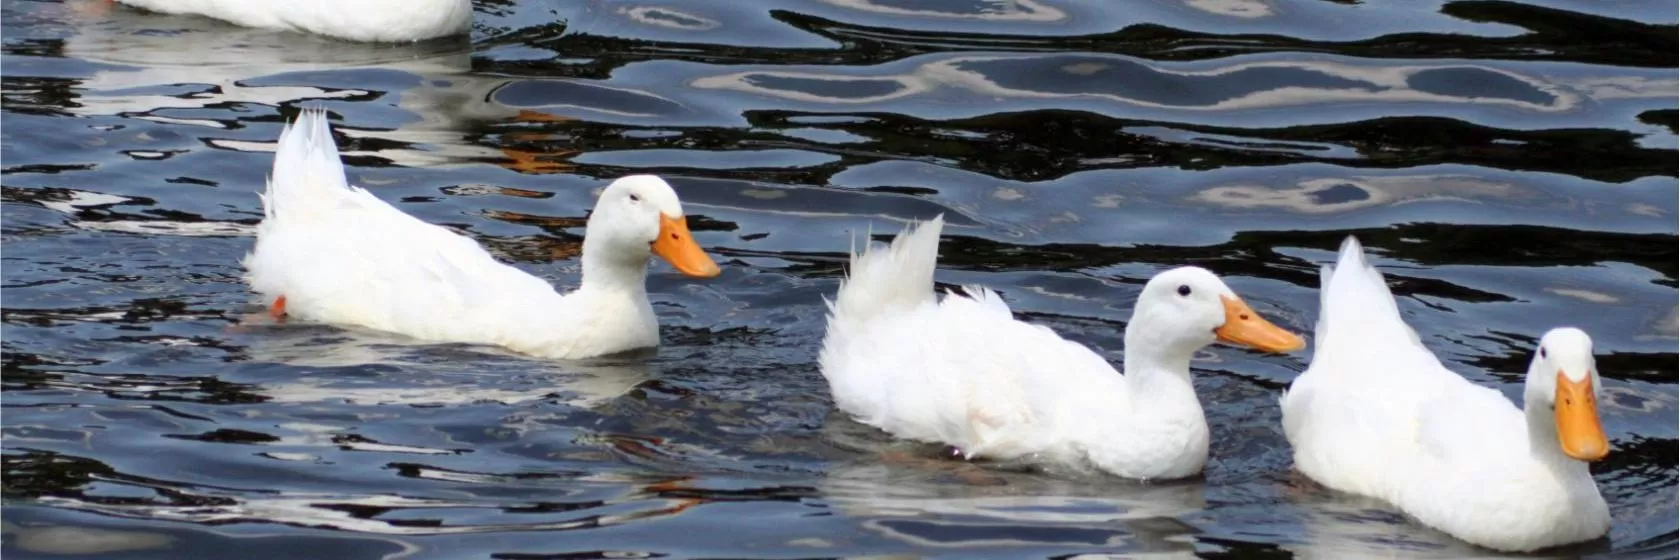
(605, 270)
(1543, 439)
(1153, 357)
(1162, 430)
(1156, 365)
(608, 313)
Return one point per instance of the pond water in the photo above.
(1511, 166)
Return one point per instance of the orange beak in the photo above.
(1244, 326)
(676, 245)
(1576, 411)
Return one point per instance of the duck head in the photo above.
(639, 217)
(1563, 377)
(1187, 308)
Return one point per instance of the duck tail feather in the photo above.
(1354, 300)
(307, 169)
(896, 276)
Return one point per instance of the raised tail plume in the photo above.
(1354, 300)
(898, 276)
(307, 171)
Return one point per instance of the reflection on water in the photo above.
(1510, 165)
(1195, 86)
(145, 62)
(416, 374)
(969, 506)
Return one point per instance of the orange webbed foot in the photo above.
(277, 310)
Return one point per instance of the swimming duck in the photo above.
(332, 253)
(1377, 414)
(962, 371)
(379, 21)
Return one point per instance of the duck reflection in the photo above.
(372, 368)
(152, 61)
(914, 493)
(155, 66)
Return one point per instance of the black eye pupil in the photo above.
(634, 198)
(1184, 290)
(1542, 352)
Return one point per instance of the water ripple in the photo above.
(1510, 166)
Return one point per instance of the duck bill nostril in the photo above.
(676, 245)
(1241, 327)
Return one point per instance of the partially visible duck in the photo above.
(380, 21)
(1376, 414)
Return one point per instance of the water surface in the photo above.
(1511, 166)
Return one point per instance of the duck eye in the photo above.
(635, 198)
(1542, 353)
(1184, 290)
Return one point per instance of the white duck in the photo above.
(379, 21)
(333, 253)
(1377, 414)
(962, 371)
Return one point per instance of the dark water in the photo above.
(1512, 166)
